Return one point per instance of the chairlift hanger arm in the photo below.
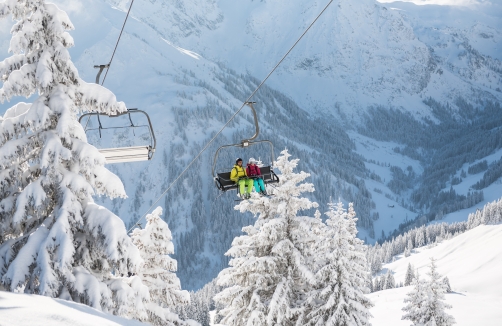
(255, 116)
(101, 67)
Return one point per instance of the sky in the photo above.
(444, 2)
(490, 7)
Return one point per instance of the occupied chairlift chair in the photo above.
(123, 154)
(222, 179)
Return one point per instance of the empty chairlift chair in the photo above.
(142, 152)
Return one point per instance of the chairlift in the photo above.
(127, 153)
(222, 179)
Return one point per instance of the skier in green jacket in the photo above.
(239, 176)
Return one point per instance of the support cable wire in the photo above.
(111, 59)
(231, 118)
(118, 40)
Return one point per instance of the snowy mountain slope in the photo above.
(491, 193)
(393, 207)
(362, 53)
(379, 156)
(167, 63)
(27, 310)
(472, 261)
(463, 41)
(252, 36)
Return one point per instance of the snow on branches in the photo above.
(341, 273)
(54, 240)
(157, 272)
(269, 276)
(425, 303)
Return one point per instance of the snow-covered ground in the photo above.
(28, 310)
(473, 263)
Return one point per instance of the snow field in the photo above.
(28, 310)
(473, 263)
(468, 309)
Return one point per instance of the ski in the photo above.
(250, 198)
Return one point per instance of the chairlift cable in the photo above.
(113, 54)
(231, 118)
(284, 57)
(117, 44)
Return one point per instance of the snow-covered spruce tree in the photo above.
(341, 274)
(414, 310)
(376, 285)
(390, 282)
(407, 251)
(447, 285)
(269, 278)
(434, 313)
(409, 275)
(54, 240)
(425, 303)
(157, 271)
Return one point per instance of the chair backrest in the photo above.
(224, 183)
(269, 175)
(225, 179)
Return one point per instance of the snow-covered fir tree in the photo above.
(376, 285)
(201, 303)
(426, 306)
(158, 270)
(381, 281)
(415, 300)
(490, 214)
(420, 238)
(269, 278)
(54, 240)
(409, 275)
(434, 312)
(369, 280)
(410, 245)
(390, 282)
(341, 272)
(407, 250)
(447, 285)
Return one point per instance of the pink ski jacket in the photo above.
(253, 170)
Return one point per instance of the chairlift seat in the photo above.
(224, 183)
(127, 154)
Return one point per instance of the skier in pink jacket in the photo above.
(253, 172)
